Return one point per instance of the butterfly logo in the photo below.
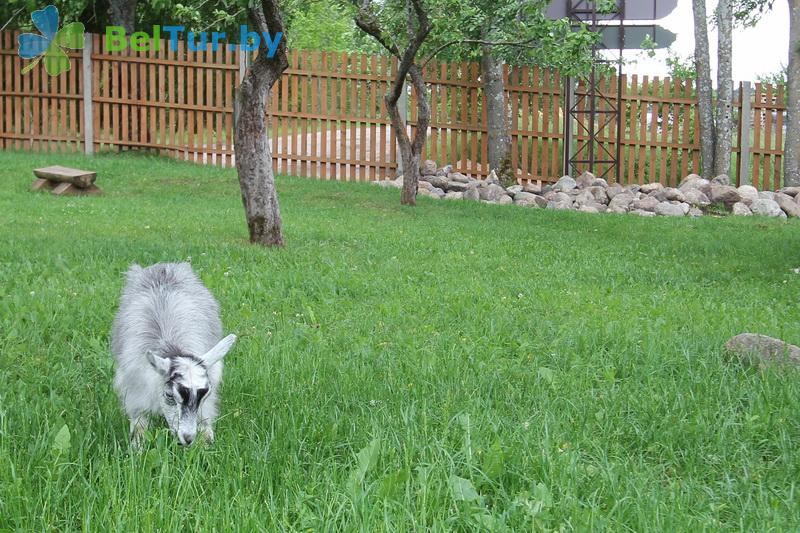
(51, 43)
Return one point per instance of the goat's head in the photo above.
(186, 385)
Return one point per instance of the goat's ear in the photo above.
(216, 353)
(161, 364)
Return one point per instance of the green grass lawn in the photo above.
(454, 366)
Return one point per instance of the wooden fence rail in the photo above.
(327, 116)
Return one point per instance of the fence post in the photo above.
(242, 69)
(569, 97)
(744, 134)
(88, 113)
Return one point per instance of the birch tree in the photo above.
(791, 160)
(704, 88)
(723, 122)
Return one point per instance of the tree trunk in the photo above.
(724, 115)
(251, 143)
(499, 144)
(791, 160)
(702, 63)
(410, 149)
(123, 13)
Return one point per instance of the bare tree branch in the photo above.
(17, 12)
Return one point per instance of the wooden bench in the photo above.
(63, 180)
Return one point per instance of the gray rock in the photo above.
(566, 205)
(695, 212)
(767, 208)
(428, 168)
(588, 209)
(632, 188)
(648, 188)
(791, 191)
(621, 201)
(724, 194)
(427, 193)
(787, 203)
(763, 351)
(445, 170)
(459, 177)
(722, 179)
(387, 183)
(766, 195)
(616, 209)
(505, 200)
(643, 213)
(693, 181)
(565, 183)
(422, 184)
(648, 203)
(669, 194)
(456, 186)
(492, 178)
(514, 189)
(491, 192)
(471, 194)
(585, 180)
(437, 181)
(545, 189)
(527, 199)
(614, 190)
(748, 194)
(586, 197)
(532, 188)
(600, 182)
(438, 192)
(599, 194)
(560, 197)
(741, 209)
(601, 208)
(696, 197)
(452, 195)
(668, 209)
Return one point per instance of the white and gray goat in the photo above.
(166, 342)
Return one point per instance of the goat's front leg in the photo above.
(139, 426)
(208, 431)
(207, 415)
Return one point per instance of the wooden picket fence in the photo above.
(327, 117)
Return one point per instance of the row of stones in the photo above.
(590, 194)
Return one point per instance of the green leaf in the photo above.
(463, 490)
(546, 374)
(61, 442)
(70, 36)
(394, 483)
(542, 496)
(55, 60)
(494, 461)
(366, 459)
(487, 522)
